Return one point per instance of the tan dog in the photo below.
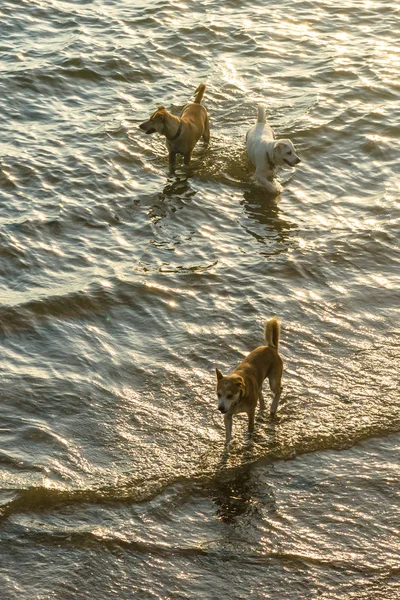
(182, 134)
(239, 391)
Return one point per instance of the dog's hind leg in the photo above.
(261, 399)
(186, 158)
(276, 388)
(206, 134)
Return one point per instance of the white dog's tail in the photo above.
(261, 118)
(272, 332)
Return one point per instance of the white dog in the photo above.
(266, 153)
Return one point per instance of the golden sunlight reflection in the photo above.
(296, 30)
(207, 231)
(322, 220)
(231, 75)
(378, 138)
(116, 182)
(339, 288)
(302, 243)
(51, 484)
(382, 281)
(342, 36)
(158, 286)
(121, 240)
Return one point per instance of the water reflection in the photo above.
(237, 495)
(233, 496)
(264, 210)
(178, 186)
(177, 191)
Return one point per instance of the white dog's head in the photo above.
(284, 153)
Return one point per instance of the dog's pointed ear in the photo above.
(219, 374)
(160, 112)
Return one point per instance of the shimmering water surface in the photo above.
(124, 286)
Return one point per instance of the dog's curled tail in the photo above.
(272, 332)
(261, 117)
(199, 93)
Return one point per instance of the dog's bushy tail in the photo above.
(272, 332)
(199, 93)
(261, 117)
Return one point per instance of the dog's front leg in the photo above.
(186, 158)
(251, 421)
(172, 158)
(268, 185)
(228, 428)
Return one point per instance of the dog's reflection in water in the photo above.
(240, 496)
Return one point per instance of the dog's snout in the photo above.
(297, 161)
(222, 408)
(147, 127)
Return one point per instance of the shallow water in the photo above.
(124, 286)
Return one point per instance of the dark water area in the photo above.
(124, 286)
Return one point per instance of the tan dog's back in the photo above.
(194, 115)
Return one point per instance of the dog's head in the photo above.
(156, 123)
(230, 389)
(284, 153)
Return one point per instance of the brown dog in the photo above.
(239, 391)
(182, 134)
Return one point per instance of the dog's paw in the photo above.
(278, 187)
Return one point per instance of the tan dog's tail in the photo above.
(199, 93)
(261, 117)
(272, 332)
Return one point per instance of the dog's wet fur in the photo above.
(266, 153)
(240, 390)
(181, 133)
